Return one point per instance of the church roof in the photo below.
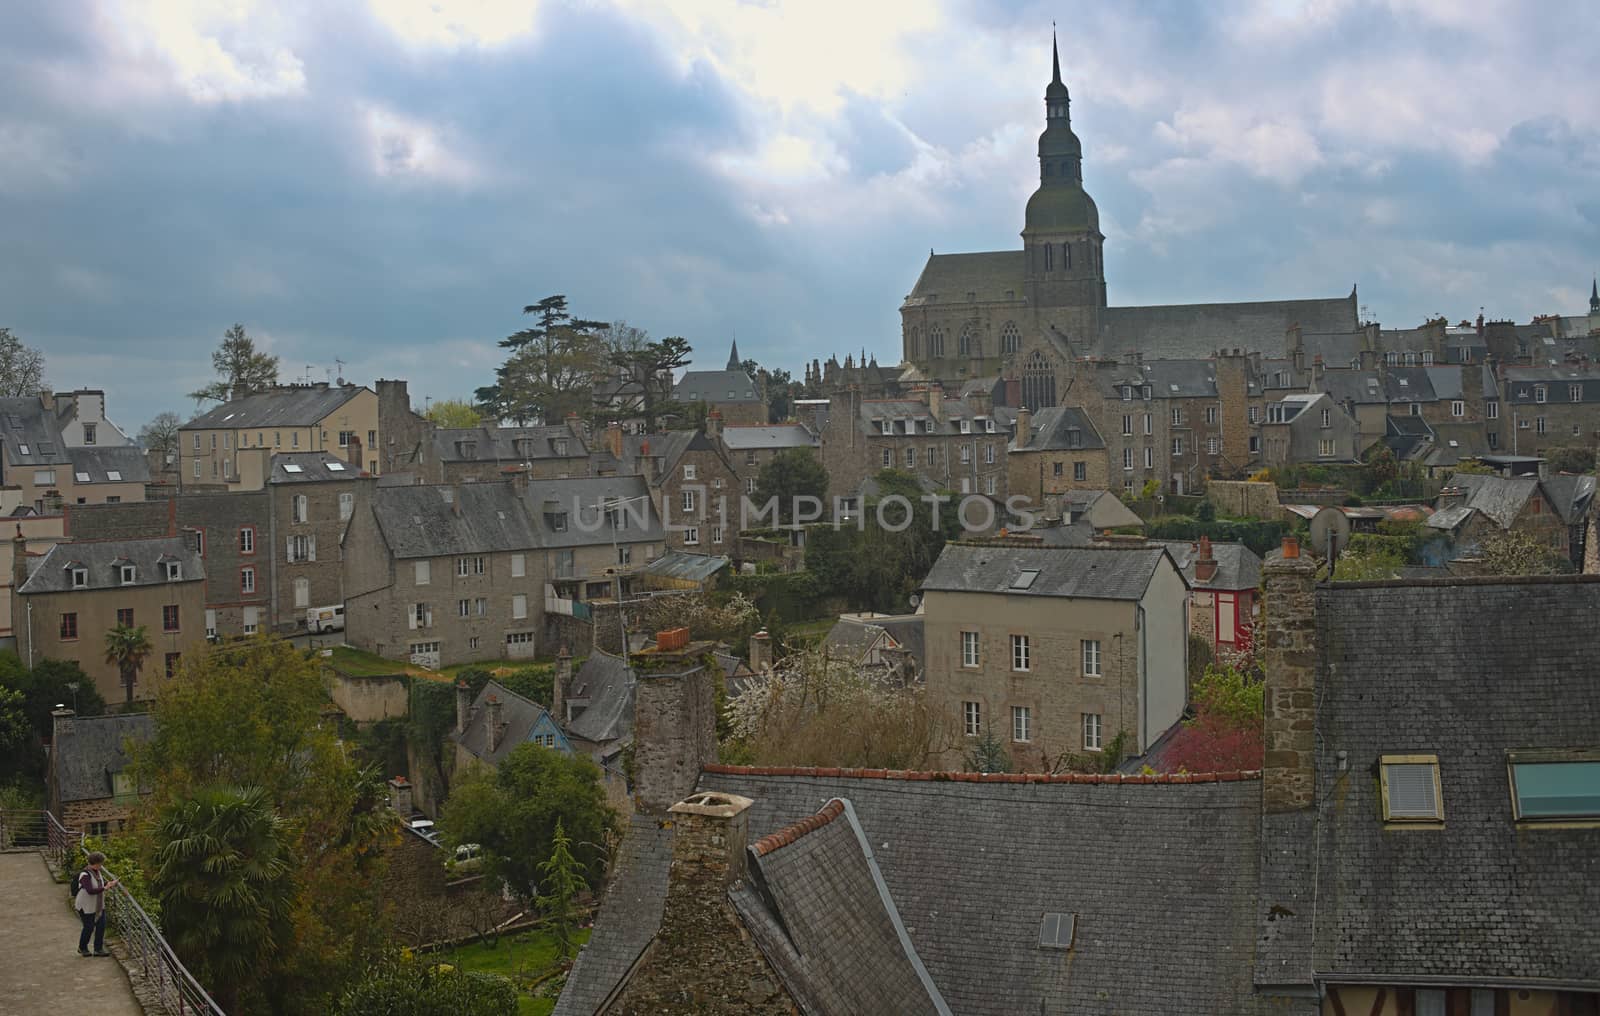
(990, 276)
(1200, 329)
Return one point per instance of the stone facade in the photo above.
(964, 453)
(102, 817)
(1289, 657)
(215, 451)
(308, 524)
(674, 723)
(1037, 473)
(698, 497)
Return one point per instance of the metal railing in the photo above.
(146, 954)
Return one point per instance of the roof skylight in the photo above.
(1024, 579)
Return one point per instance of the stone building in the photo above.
(498, 720)
(1308, 429)
(595, 534)
(231, 446)
(1474, 508)
(729, 391)
(313, 497)
(1546, 407)
(1224, 591)
(89, 785)
(1054, 451)
(748, 448)
(59, 449)
(692, 483)
(488, 453)
(948, 444)
(1055, 650)
(64, 602)
(440, 575)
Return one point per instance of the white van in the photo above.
(325, 618)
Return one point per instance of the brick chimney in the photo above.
(647, 464)
(61, 720)
(400, 796)
(761, 652)
(614, 439)
(1290, 662)
(674, 725)
(494, 723)
(1024, 426)
(936, 400)
(559, 685)
(1205, 563)
(463, 705)
(714, 424)
(353, 453)
(1013, 391)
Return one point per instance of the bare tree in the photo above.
(161, 435)
(21, 367)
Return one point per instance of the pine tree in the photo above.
(563, 881)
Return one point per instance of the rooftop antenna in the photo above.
(340, 364)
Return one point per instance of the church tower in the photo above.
(1064, 276)
(1594, 306)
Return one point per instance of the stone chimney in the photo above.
(710, 833)
(60, 723)
(1013, 392)
(761, 652)
(1295, 345)
(647, 464)
(674, 724)
(19, 560)
(353, 453)
(1205, 563)
(936, 400)
(1024, 426)
(614, 439)
(559, 685)
(463, 705)
(714, 424)
(191, 541)
(400, 796)
(1290, 662)
(494, 723)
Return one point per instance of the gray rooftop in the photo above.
(109, 464)
(508, 445)
(990, 276)
(1092, 573)
(778, 435)
(609, 685)
(1238, 567)
(102, 559)
(713, 386)
(1479, 898)
(517, 718)
(24, 423)
(1061, 428)
(312, 467)
(86, 759)
(1199, 330)
(439, 521)
(288, 406)
(586, 525)
(1501, 498)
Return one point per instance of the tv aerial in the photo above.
(1330, 534)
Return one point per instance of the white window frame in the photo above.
(971, 649)
(688, 471)
(686, 502)
(519, 566)
(1021, 724)
(1093, 732)
(519, 606)
(422, 573)
(1092, 662)
(972, 719)
(1458, 408)
(1021, 653)
(691, 536)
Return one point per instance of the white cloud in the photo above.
(404, 148)
(1277, 148)
(457, 23)
(36, 158)
(212, 50)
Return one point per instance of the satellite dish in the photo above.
(915, 601)
(1330, 533)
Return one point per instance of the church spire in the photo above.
(733, 357)
(1594, 297)
(1055, 58)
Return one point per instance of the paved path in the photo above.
(41, 973)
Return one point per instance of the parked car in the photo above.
(325, 618)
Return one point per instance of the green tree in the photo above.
(788, 475)
(1570, 459)
(552, 368)
(241, 368)
(877, 567)
(16, 733)
(223, 877)
(1518, 553)
(49, 684)
(776, 388)
(512, 812)
(21, 367)
(988, 755)
(562, 880)
(126, 649)
(403, 987)
(453, 414)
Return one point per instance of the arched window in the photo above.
(936, 341)
(1066, 256)
(966, 341)
(1049, 257)
(1038, 382)
(1009, 337)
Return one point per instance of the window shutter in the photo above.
(411, 616)
(1411, 790)
(311, 548)
(288, 549)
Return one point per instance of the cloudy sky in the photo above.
(388, 183)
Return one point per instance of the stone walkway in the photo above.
(41, 973)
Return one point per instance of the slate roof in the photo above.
(580, 497)
(51, 573)
(1238, 567)
(628, 918)
(98, 462)
(609, 685)
(1051, 430)
(1095, 573)
(24, 422)
(1479, 898)
(778, 435)
(286, 406)
(444, 520)
(1337, 349)
(1199, 330)
(1453, 442)
(509, 445)
(991, 276)
(1160, 876)
(517, 718)
(686, 567)
(908, 630)
(818, 909)
(1571, 495)
(313, 467)
(86, 759)
(715, 386)
(1500, 497)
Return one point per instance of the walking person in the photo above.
(90, 903)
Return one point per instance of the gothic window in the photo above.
(965, 341)
(1066, 256)
(936, 341)
(1009, 339)
(1038, 382)
(1049, 257)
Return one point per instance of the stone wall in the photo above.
(370, 699)
(674, 725)
(1290, 660)
(86, 816)
(1243, 499)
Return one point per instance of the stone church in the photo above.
(1029, 313)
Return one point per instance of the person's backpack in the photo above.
(77, 883)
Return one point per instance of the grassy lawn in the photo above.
(812, 632)
(522, 957)
(357, 663)
(496, 666)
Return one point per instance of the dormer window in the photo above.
(688, 472)
(561, 446)
(126, 574)
(174, 571)
(80, 577)
(887, 426)
(966, 426)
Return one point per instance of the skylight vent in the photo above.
(292, 467)
(1056, 931)
(1024, 579)
(335, 466)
